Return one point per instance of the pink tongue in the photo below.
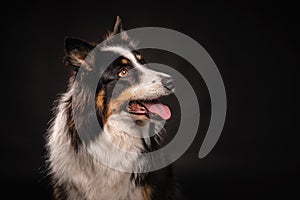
(158, 108)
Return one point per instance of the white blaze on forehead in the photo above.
(126, 53)
(122, 51)
(150, 86)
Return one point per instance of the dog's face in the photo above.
(128, 91)
(130, 86)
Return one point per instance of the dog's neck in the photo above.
(83, 166)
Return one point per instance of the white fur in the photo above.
(95, 180)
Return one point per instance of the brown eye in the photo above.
(123, 72)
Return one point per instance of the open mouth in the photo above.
(153, 109)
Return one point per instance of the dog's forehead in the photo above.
(125, 52)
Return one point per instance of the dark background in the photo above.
(253, 44)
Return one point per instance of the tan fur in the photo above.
(124, 61)
(115, 104)
(139, 57)
(147, 190)
(100, 99)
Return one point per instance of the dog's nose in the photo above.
(168, 83)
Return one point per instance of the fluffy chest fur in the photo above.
(81, 176)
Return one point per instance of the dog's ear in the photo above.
(118, 29)
(76, 52)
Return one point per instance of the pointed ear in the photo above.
(118, 29)
(76, 51)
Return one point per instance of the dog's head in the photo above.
(128, 91)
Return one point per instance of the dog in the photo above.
(126, 102)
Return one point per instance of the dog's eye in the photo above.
(123, 72)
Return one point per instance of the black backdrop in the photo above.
(253, 45)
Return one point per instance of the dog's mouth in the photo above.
(153, 109)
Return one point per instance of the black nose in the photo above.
(168, 83)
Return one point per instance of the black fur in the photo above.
(76, 49)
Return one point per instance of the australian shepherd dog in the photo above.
(127, 100)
